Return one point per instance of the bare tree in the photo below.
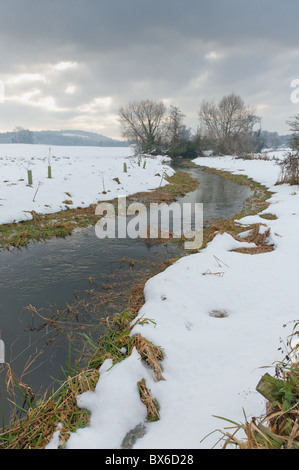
(289, 169)
(228, 125)
(174, 127)
(290, 164)
(23, 136)
(176, 133)
(142, 123)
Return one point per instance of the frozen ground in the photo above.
(81, 175)
(212, 365)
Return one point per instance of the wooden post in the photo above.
(49, 172)
(266, 387)
(125, 167)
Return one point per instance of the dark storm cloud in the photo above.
(102, 23)
(122, 50)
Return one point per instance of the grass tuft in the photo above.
(151, 403)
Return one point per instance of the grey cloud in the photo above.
(45, 27)
(136, 49)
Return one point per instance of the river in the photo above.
(73, 276)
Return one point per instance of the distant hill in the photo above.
(91, 139)
(65, 137)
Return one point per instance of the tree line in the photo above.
(152, 130)
(228, 127)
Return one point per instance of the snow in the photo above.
(212, 365)
(54, 443)
(111, 413)
(82, 175)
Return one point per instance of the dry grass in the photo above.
(278, 429)
(260, 240)
(150, 353)
(36, 430)
(148, 400)
(234, 229)
(178, 185)
(268, 216)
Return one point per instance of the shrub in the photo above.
(289, 169)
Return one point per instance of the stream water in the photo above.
(74, 276)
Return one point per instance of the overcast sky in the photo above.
(71, 64)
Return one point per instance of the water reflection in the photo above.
(221, 198)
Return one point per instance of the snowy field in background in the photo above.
(212, 365)
(79, 174)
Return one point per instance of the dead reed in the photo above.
(150, 353)
(36, 430)
(151, 403)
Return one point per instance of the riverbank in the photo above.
(179, 184)
(188, 314)
(63, 223)
(81, 178)
(219, 316)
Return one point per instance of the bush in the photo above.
(289, 169)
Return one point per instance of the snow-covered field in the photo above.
(212, 365)
(81, 175)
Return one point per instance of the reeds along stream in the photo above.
(58, 293)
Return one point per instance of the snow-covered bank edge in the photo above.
(81, 179)
(212, 365)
